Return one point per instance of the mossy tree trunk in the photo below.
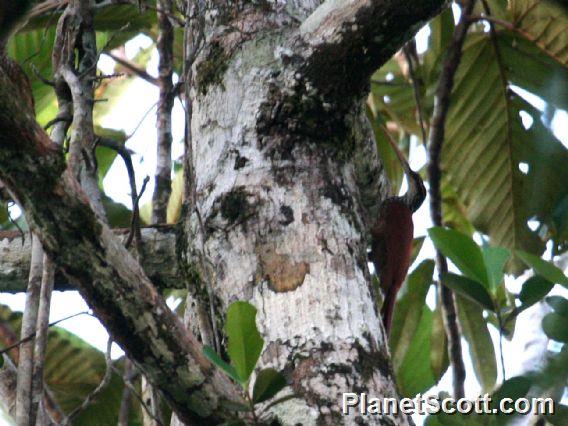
(286, 182)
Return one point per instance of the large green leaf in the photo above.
(548, 270)
(72, 369)
(485, 145)
(439, 359)
(461, 250)
(495, 259)
(479, 341)
(245, 342)
(415, 374)
(32, 49)
(408, 311)
(528, 67)
(469, 289)
(544, 23)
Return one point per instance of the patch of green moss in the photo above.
(211, 70)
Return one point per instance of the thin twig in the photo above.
(135, 222)
(15, 223)
(126, 400)
(42, 326)
(436, 141)
(130, 385)
(126, 156)
(133, 68)
(32, 335)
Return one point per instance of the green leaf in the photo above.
(495, 259)
(533, 70)
(214, 357)
(514, 388)
(389, 159)
(533, 291)
(1, 360)
(554, 326)
(469, 289)
(442, 31)
(408, 311)
(486, 143)
(415, 374)
(439, 360)
(245, 343)
(267, 384)
(479, 341)
(32, 49)
(417, 244)
(461, 250)
(559, 304)
(545, 24)
(118, 215)
(544, 268)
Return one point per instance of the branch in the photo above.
(353, 38)
(114, 285)
(159, 260)
(163, 178)
(24, 410)
(436, 142)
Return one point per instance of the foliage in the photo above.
(244, 348)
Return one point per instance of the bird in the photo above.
(392, 236)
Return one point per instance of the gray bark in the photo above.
(287, 183)
(159, 262)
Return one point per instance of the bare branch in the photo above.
(163, 178)
(159, 260)
(436, 141)
(26, 357)
(133, 68)
(42, 325)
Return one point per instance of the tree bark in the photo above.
(159, 261)
(287, 184)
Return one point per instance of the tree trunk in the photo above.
(287, 182)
